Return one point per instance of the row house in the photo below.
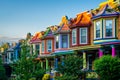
(91, 34)
(12, 54)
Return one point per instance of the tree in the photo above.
(72, 66)
(28, 36)
(26, 67)
(108, 68)
(2, 71)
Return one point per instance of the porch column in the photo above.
(100, 52)
(46, 64)
(41, 64)
(84, 60)
(113, 51)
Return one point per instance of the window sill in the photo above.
(106, 38)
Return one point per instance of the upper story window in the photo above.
(98, 29)
(43, 46)
(37, 47)
(64, 41)
(83, 35)
(49, 45)
(74, 33)
(104, 28)
(57, 42)
(108, 28)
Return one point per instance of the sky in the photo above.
(18, 17)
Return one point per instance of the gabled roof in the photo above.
(48, 33)
(37, 37)
(64, 25)
(81, 20)
(106, 9)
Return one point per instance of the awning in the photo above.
(63, 53)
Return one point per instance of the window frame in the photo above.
(99, 29)
(80, 39)
(113, 28)
(66, 41)
(75, 36)
(43, 47)
(48, 46)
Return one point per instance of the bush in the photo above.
(72, 66)
(66, 77)
(108, 68)
(2, 72)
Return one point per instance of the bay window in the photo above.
(74, 33)
(83, 35)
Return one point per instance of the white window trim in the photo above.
(113, 28)
(86, 35)
(100, 29)
(67, 40)
(76, 37)
(47, 46)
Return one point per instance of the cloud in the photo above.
(4, 39)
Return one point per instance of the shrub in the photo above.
(108, 68)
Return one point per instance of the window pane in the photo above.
(98, 29)
(83, 35)
(37, 47)
(42, 46)
(64, 41)
(49, 45)
(108, 28)
(74, 36)
(57, 43)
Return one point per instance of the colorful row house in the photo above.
(90, 34)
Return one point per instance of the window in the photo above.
(98, 29)
(74, 33)
(49, 45)
(108, 28)
(43, 46)
(64, 41)
(83, 35)
(37, 47)
(57, 42)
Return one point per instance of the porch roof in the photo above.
(67, 52)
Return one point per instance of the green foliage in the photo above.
(66, 77)
(108, 68)
(26, 67)
(72, 66)
(2, 72)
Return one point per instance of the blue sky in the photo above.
(18, 17)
